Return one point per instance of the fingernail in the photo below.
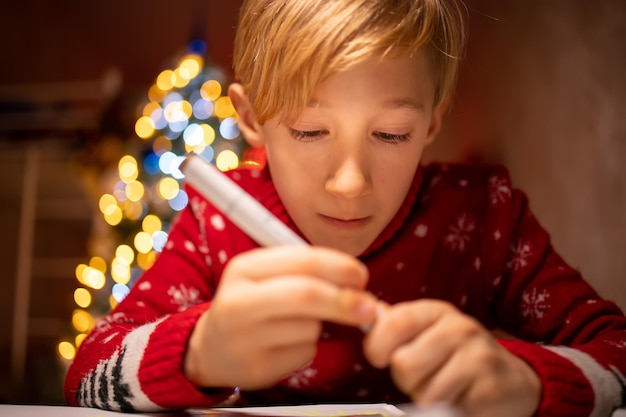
(369, 311)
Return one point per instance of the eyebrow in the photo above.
(395, 103)
(403, 103)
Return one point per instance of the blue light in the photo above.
(120, 291)
(195, 96)
(193, 134)
(202, 109)
(165, 162)
(119, 191)
(172, 97)
(178, 126)
(229, 128)
(151, 163)
(170, 134)
(208, 153)
(180, 201)
(159, 239)
(158, 119)
(197, 46)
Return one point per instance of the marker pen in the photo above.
(239, 206)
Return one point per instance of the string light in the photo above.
(185, 112)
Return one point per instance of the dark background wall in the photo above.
(542, 90)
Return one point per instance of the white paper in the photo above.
(331, 410)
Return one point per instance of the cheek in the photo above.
(395, 180)
(294, 178)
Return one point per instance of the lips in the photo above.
(346, 223)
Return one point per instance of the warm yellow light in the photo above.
(98, 263)
(66, 350)
(120, 271)
(82, 297)
(151, 224)
(187, 108)
(165, 80)
(161, 144)
(80, 270)
(80, 338)
(133, 210)
(128, 169)
(93, 278)
(190, 66)
(195, 148)
(145, 260)
(143, 242)
(144, 127)
(227, 160)
(134, 190)
(149, 108)
(209, 134)
(115, 217)
(177, 111)
(112, 301)
(179, 80)
(211, 90)
(168, 188)
(224, 107)
(82, 321)
(107, 204)
(125, 253)
(156, 94)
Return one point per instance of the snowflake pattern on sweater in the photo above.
(463, 235)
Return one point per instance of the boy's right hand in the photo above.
(267, 313)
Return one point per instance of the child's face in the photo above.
(343, 167)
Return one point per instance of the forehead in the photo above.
(398, 82)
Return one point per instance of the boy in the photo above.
(344, 95)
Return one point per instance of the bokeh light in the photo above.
(66, 350)
(151, 224)
(82, 321)
(227, 160)
(186, 111)
(82, 297)
(120, 291)
(143, 242)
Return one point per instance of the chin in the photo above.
(351, 248)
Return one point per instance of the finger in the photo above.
(418, 361)
(400, 324)
(283, 333)
(306, 297)
(324, 263)
(450, 382)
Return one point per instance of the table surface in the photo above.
(62, 411)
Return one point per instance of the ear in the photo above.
(248, 124)
(437, 119)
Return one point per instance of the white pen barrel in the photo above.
(232, 200)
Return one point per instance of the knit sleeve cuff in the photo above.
(162, 367)
(565, 389)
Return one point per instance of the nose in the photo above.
(349, 176)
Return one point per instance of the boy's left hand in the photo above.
(439, 355)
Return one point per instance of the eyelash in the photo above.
(306, 135)
(311, 135)
(392, 137)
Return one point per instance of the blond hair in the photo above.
(285, 48)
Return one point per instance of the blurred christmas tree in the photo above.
(186, 110)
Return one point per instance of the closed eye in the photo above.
(307, 135)
(392, 137)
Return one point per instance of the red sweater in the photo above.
(462, 235)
